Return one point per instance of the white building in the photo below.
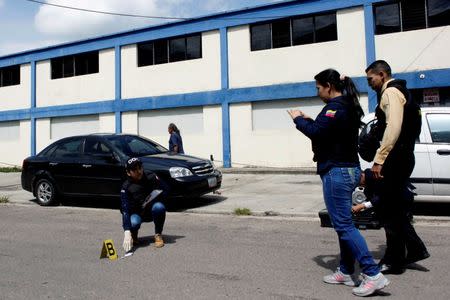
(226, 80)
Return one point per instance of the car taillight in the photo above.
(24, 164)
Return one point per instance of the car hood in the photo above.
(171, 159)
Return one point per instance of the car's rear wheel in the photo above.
(45, 192)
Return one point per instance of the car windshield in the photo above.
(133, 146)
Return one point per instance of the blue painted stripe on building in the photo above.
(224, 58)
(16, 114)
(433, 78)
(33, 136)
(207, 23)
(370, 48)
(118, 87)
(33, 105)
(226, 139)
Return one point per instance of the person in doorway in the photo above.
(140, 203)
(334, 137)
(175, 140)
(398, 126)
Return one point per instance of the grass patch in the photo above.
(4, 199)
(242, 212)
(10, 169)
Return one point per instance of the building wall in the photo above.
(172, 78)
(76, 89)
(298, 63)
(17, 96)
(414, 50)
(201, 129)
(15, 142)
(263, 134)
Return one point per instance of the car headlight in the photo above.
(176, 172)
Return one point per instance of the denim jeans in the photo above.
(338, 186)
(158, 216)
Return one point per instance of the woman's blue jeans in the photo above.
(158, 216)
(338, 186)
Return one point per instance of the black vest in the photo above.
(412, 120)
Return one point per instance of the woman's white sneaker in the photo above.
(370, 284)
(339, 278)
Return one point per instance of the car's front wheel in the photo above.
(45, 192)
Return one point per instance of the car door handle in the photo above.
(52, 164)
(87, 166)
(443, 152)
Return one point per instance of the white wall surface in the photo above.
(199, 139)
(13, 149)
(77, 89)
(263, 134)
(173, 78)
(17, 96)
(130, 122)
(414, 50)
(298, 63)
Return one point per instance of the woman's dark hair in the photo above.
(343, 84)
(174, 128)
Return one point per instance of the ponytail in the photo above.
(345, 85)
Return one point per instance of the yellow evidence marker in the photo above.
(108, 250)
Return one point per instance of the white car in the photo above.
(431, 175)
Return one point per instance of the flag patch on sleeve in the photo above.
(330, 113)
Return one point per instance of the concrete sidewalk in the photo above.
(297, 193)
(264, 193)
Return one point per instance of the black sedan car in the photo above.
(94, 166)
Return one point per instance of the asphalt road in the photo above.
(53, 253)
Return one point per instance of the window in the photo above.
(281, 34)
(10, 75)
(95, 147)
(439, 127)
(9, 131)
(396, 16)
(303, 31)
(293, 32)
(68, 148)
(261, 37)
(75, 65)
(438, 13)
(169, 50)
(387, 18)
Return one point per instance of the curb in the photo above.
(303, 171)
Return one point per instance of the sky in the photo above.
(26, 25)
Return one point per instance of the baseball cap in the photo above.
(133, 163)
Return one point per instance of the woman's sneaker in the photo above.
(370, 284)
(339, 278)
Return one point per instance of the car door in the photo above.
(422, 177)
(64, 165)
(102, 169)
(439, 150)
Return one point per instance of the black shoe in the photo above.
(390, 269)
(415, 258)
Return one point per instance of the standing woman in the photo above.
(175, 141)
(334, 137)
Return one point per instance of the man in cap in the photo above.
(140, 203)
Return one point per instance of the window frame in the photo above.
(166, 56)
(400, 13)
(291, 21)
(63, 62)
(11, 71)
